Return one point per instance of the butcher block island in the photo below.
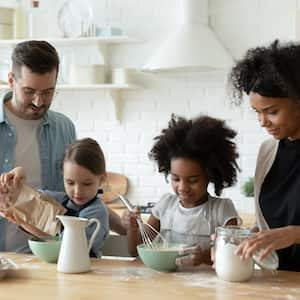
(119, 279)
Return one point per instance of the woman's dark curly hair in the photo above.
(272, 71)
(205, 140)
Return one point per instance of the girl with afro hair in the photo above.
(270, 76)
(193, 153)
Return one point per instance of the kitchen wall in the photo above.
(239, 24)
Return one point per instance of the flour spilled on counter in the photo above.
(29, 266)
(127, 274)
(205, 278)
(26, 264)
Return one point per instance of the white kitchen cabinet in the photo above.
(102, 43)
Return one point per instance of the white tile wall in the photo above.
(239, 24)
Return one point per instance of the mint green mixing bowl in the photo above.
(47, 251)
(159, 259)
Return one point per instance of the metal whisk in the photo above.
(150, 236)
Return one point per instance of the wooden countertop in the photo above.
(113, 279)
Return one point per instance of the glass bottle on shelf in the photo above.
(20, 31)
(33, 19)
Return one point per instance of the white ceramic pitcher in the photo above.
(74, 252)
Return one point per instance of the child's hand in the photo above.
(193, 256)
(129, 219)
(13, 178)
(213, 250)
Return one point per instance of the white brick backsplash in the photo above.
(141, 196)
(133, 181)
(144, 125)
(115, 168)
(134, 148)
(148, 139)
(130, 158)
(153, 180)
(100, 136)
(175, 105)
(138, 170)
(130, 114)
(164, 188)
(115, 148)
(116, 135)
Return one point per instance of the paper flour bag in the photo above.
(36, 208)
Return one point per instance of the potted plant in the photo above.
(248, 187)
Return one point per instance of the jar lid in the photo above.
(268, 263)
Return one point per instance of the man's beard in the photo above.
(23, 109)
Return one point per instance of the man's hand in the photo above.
(13, 178)
(5, 198)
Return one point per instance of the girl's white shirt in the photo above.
(192, 226)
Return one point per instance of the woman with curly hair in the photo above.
(271, 77)
(194, 153)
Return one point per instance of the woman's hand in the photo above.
(193, 256)
(268, 240)
(13, 178)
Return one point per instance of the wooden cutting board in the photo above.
(115, 184)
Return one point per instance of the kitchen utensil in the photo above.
(74, 252)
(163, 259)
(150, 236)
(270, 263)
(46, 250)
(229, 266)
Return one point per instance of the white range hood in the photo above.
(193, 46)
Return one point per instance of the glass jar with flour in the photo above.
(229, 266)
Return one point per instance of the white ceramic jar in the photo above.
(87, 74)
(229, 266)
(123, 76)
